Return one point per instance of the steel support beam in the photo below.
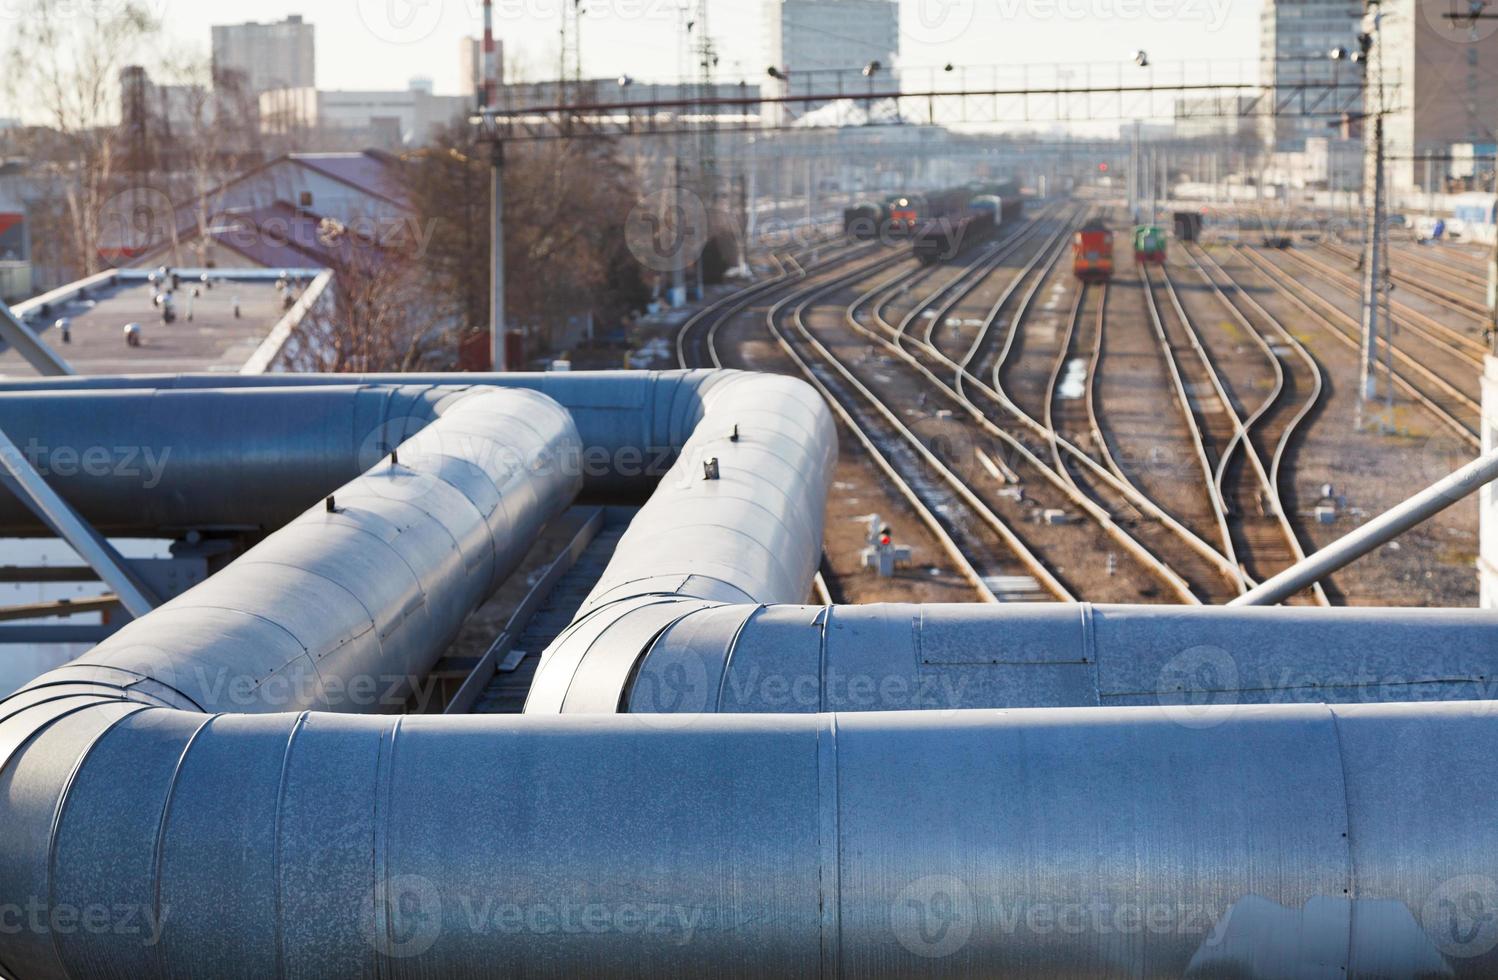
(22, 479)
(58, 608)
(30, 346)
(1375, 534)
(48, 635)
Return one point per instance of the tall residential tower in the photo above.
(822, 44)
(266, 56)
(1296, 38)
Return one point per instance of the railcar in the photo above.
(862, 221)
(942, 238)
(1092, 253)
(1149, 245)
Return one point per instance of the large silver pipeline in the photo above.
(737, 519)
(1255, 842)
(146, 838)
(757, 659)
(154, 455)
(348, 606)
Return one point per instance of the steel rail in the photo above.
(1198, 439)
(1043, 576)
(1329, 314)
(1115, 477)
(1373, 535)
(1317, 386)
(1451, 300)
(1240, 439)
(1061, 482)
(1130, 493)
(925, 514)
(1064, 357)
(730, 306)
(1404, 315)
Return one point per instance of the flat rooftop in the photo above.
(212, 339)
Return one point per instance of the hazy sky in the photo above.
(384, 43)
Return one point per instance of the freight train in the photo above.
(903, 216)
(943, 238)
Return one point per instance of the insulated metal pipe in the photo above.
(737, 519)
(348, 606)
(230, 452)
(756, 659)
(1261, 842)
(154, 462)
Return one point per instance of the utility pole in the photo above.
(1375, 278)
(570, 75)
(1493, 295)
(707, 135)
(1134, 175)
(489, 87)
(673, 225)
(499, 358)
(811, 181)
(489, 94)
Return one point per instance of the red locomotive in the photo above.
(1092, 253)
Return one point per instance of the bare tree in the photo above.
(566, 205)
(64, 60)
(208, 128)
(375, 318)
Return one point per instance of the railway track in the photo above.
(697, 339)
(974, 525)
(1424, 324)
(986, 403)
(1037, 495)
(1453, 407)
(1414, 256)
(1270, 431)
(985, 548)
(932, 491)
(1211, 433)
